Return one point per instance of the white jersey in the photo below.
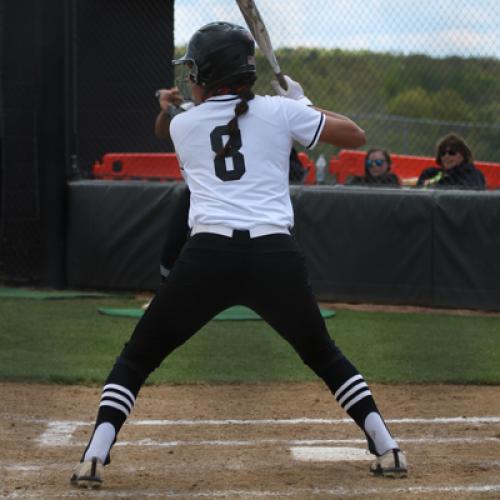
(251, 187)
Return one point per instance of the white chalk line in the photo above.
(319, 421)
(299, 492)
(28, 469)
(329, 454)
(21, 468)
(287, 421)
(59, 432)
(299, 442)
(284, 442)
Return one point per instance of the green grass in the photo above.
(67, 341)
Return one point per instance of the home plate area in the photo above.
(221, 448)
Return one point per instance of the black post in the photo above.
(20, 223)
(51, 132)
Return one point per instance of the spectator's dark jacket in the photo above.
(297, 171)
(386, 180)
(463, 176)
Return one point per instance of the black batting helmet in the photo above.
(217, 52)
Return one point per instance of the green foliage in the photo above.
(405, 103)
(68, 341)
(449, 105)
(414, 102)
(445, 104)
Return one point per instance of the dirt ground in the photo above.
(407, 309)
(246, 441)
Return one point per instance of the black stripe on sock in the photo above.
(354, 394)
(121, 393)
(349, 387)
(118, 401)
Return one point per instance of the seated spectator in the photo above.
(377, 171)
(456, 168)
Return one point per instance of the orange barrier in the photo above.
(160, 166)
(491, 173)
(310, 177)
(406, 167)
(147, 166)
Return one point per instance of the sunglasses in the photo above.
(450, 152)
(371, 163)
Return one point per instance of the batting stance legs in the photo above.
(213, 273)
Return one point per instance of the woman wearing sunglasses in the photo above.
(377, 170)
(455, 168)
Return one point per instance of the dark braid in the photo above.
(241, 108)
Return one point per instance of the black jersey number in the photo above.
(221, 167)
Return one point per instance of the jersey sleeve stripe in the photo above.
(318, 131)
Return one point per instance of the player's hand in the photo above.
(169, 97)
(294, 91)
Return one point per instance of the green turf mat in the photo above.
(236, 313)
(28, 293)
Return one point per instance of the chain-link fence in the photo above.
(78, 80)
(120, 54)
(408, 72)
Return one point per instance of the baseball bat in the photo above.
(258, 29)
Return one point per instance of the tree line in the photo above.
(404, 102)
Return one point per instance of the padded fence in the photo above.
(433, 248)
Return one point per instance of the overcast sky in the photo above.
(437, 28)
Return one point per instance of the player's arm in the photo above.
(170, 101)
(338, 130)
(341, 131)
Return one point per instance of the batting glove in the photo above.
(294, 91)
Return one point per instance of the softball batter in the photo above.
(233, 148)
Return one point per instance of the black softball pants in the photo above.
(267, 274)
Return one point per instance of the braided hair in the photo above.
(243, 88)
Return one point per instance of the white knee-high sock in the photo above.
(378, 432)
(101, 442)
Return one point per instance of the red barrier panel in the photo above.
(164, 166)
(407, 168)
(491, 173)
(310, 177)
(160, 166)
(147, 166)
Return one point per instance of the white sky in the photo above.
(436, 28)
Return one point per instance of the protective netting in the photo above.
(408, 72)
(88, 69)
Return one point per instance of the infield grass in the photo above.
(67, 341)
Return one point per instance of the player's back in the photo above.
(250, 185)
